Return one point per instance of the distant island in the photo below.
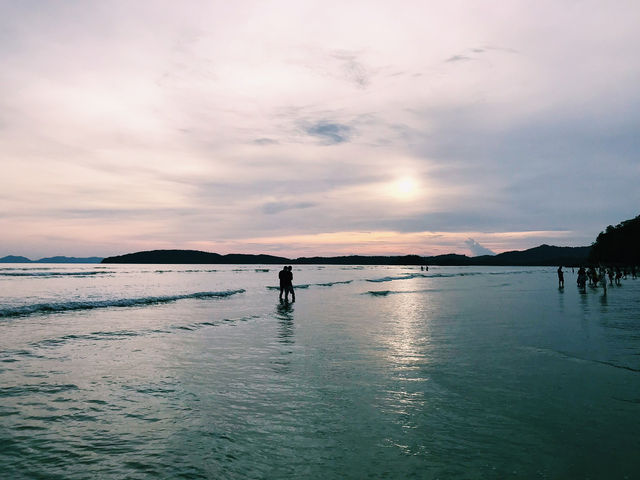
(538, 256)
(17, 259)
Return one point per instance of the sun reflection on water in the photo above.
(406, 337)
(408, 331)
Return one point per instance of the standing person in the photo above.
(618, 275)
(560, 277)
(582, 278)
(282, 276)
(603, 279)
(289, 285)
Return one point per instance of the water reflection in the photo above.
(406, 338)
(603, 302)
(561, 299)
(284, 314)
(407, 330)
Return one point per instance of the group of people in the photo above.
(286, 283)
(598, 276)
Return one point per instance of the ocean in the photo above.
(384, 372)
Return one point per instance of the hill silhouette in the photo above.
(619, 244)
(192, 256)
(542, 255)
(59, 259)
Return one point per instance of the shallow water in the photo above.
(197, 371)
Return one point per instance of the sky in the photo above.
(301, 128)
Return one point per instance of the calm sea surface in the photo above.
(197, 371)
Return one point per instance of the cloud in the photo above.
(476, 249)
(353, 70)
(277, 207)
(265, 141)
(330, 133)
(458, 58)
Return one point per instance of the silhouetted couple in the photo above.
(286, 283)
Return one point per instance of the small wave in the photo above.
(52, 274)
(409, 276)
(384, 293)
(41, 388)
(27, 268)
(117, 302)
(183, 271)
(95, 336)
(331, 284)
(121, 335)
(303, 285)
(307, 285)
(391, 279)
(378, 293)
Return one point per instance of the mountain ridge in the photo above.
(543, 255)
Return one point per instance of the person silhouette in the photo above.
(560, 277)
(283, 276)
(582, 278)
(289, 285)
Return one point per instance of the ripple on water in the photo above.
(36, 389)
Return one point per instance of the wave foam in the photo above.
(53, 274)
(384, 293)
(407, 276)
(307, 285)
(117, 302)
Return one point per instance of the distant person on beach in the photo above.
(560, 277)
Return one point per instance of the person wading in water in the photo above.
(560, 277)
(282, 276)
(286, 283)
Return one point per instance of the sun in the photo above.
(405, 188)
